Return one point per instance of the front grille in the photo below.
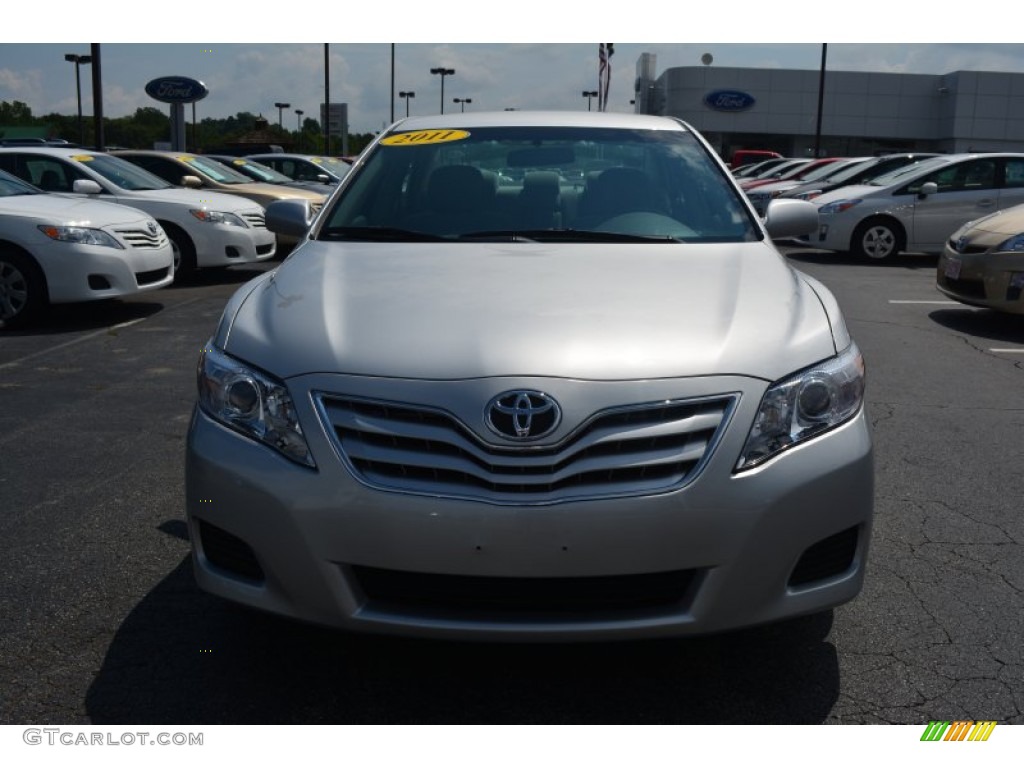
(152, 276)
(640, 449)
(255, 219)
(829, 557)
(143, 238)
(229, 553)
(431, 593)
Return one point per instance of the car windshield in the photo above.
(540, 183)
(847, 172)
(256, 171)
(331, 166)
(11, 186)
(214, 170)
(824, 171)
(897, 175)
(122, 173)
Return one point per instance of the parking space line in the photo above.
(1007, 350)
(921, 301)
(93, 335)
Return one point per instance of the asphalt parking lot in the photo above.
(101, 622)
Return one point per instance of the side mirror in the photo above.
(289, 217)
(790, 218)
(323, 178)
(86, 187)
(928, 188)
(192, 182)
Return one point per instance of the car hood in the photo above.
(275, 191)
(851, 192)
(465, 310)
(996, 227)
(212, 201)
(53, 209)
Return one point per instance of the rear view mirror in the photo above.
(192, 182)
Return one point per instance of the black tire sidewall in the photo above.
(36, 288)
(857, 242)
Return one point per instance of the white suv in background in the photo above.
(206, 229)
(54, 250)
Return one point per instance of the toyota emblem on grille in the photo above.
(523, 414)
(151, 226)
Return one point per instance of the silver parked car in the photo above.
(593, 403)
(917, 207)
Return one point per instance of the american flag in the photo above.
(604, 74)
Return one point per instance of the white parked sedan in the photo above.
(916, 208)
(206, 229)
(540, 410)
(55, 250)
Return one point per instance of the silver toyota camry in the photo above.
(533, 376)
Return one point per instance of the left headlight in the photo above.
(804, 405)
(252, 403)
(82, 235)
(218, 217)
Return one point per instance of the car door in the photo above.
(966, 190)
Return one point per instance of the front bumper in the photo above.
(721, 552)
(222, 245)
(77, 272)
(991, 280)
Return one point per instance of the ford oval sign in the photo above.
(176, 90)
(729, 101)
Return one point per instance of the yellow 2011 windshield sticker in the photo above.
(419, 138)
(82, 158)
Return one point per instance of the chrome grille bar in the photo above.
(644, 448)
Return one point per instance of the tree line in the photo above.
(150, 125)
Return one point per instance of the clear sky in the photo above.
(284, 63)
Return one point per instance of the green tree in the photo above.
(16, 113)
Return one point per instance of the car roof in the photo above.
(41, 149)
(539, 118)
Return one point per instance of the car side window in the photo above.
(165, 169)
(51, 175)
(961, 177)
(1014, 173)
(978, 174)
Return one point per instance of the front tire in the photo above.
(877, 238)
(22, 289)
(184, 250)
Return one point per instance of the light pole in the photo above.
(588, 95)
(463, 102)
(281, 107)
(443, 73)
(407, 95)
(78, 60)
(298, 125)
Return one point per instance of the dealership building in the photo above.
(863, 113)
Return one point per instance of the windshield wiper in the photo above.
(378, 234)
(567, 235)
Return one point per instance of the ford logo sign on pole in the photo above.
(177, 91)
(729, 101)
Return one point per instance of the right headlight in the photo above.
(838, 206)
(80, 235)
(251, 402)
(219, 217)
(804, 405)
